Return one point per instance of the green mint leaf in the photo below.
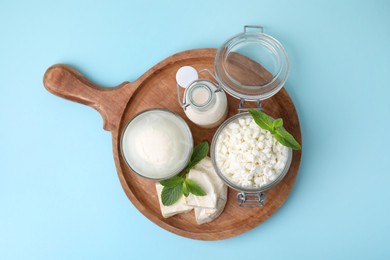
(266, 122)
(172, 182)
(277, 124)
(280, 139)
(199, 152)
(186, 191)
(170, 196)
(184, 172)
(194, 188)
(178, 185)
(286, 139)
(261, 119)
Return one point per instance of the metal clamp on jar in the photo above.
(251, 66)
(204, 102)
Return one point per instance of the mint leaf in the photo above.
(277, 124)
(261, 119)
(199, 152)
(280, 139)
(186, 191)
(286, 139)
(170, 196)
(178, 185)
(194, 188)
(172, 182)
(265, 122)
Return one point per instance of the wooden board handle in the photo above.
(64, 81)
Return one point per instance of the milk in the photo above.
(157, 144)
(200, 96)
(207, 108)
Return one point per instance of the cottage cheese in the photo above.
(249, 156)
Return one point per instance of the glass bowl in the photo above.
(148, 140)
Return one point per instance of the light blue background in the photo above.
(60, 197)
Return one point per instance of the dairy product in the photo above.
(249, 156)
(203, 103)
(205, 215)
(177, 208)
(200, 96)
(206, 208)
(202, 179)
(207, 108)
(157, 144)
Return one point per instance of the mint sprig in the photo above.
(275, 127)
(200, 151)
(172, 182)
(186, 190)
(194, 188)
(179, 185)
(170, 195)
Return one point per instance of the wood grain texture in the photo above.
(66, 82)
(157, 89)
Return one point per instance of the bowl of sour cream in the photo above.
(156, 144)
(248, 158)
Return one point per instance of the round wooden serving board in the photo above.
(157, 89)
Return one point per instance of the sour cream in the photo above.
(157, 144)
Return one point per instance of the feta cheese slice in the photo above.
(207, 208)
(203, 180)
(168, 211)
(205, 215)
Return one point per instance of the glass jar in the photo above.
(247, 196)
(204, 103)
(250, 66)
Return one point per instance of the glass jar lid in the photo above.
(252, 65)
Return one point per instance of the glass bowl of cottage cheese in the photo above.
(248, 158)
